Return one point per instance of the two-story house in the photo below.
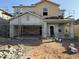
(43, 19)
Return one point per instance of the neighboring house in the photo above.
(42, 19)
(76, 28)
(4, 27)
(4, 23)
(5, 15)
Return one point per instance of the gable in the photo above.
(53, 10)
(46, 1)
(26, 19)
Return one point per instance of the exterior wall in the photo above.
(61, 30)
(76, 30)
(23, 20)
(44, 29)
(71, 30)
(66, 30)
(53, 10)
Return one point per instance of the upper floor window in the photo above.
(45, 11)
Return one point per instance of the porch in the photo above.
(56, 28)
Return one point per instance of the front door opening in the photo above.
(40, 31)
(52, 31)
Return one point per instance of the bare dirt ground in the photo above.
(36, 50)
(52, 50)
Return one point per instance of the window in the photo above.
(45, 11)
(59, 30)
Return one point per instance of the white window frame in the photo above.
(45, 11)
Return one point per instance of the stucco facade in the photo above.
(76, 29)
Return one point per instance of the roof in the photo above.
(46, 1)
(54, 17)
(33, 13)
(6, 13)
(21, 6)
(57, 20)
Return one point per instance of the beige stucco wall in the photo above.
(53, 10)
(76, 30)
(66, 30)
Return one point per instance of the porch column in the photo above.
(44, 30)
(56, 31)
(71, 30)
(11, 30)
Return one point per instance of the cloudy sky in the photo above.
(71, 6)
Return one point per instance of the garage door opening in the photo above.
(28, 30)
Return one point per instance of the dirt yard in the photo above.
(52, 51)
(49, 50)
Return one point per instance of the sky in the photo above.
(71, 6)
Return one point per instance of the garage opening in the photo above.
(28, 30)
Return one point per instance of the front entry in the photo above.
(51, 31)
